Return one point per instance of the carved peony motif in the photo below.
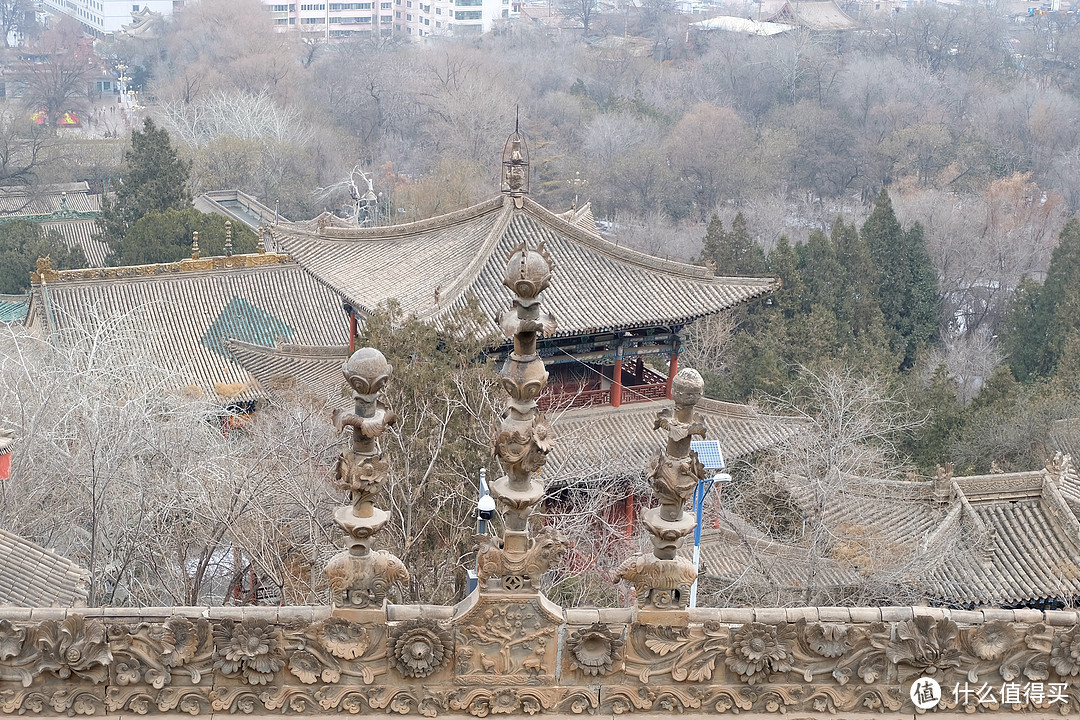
(757, 650)
(251, 648)
(74, 647)
(183, 638)
(594, 650)
(1065, 657)
(360, 474)
(927, 644)
(419, 648)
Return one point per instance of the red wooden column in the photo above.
(616, 379)
(673, 365)
(352, 331)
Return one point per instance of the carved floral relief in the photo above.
(501, 658)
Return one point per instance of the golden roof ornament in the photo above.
(515, 562)
(195, 245)
(361, 578)
(228, 238)
(515, 167)
(663, 580)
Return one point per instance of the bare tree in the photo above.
(821, 496)
(581, 10)
(119, 467)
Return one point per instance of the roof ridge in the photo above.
(382, 232)
(606, 247)
(1057, 508)
(243, 261)
(295, 350)
(462, 282)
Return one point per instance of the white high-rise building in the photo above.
(402, 18)
(334, 20)
(423, 18)
(103, 17)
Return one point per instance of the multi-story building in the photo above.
(104, 17)
(385, 18)
(422, 18)
(335, 20)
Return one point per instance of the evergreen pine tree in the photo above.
(154, 179)
(1041, 320)
(735, 252)
(22, 242)
(907, 282)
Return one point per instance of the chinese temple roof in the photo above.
(433, 266)
(193, 309)
(625, 437)
(67, 208)
(987, 540)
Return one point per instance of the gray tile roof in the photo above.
(194, 309)
(84, 234)
(1000, 539)
(623, 439)
(31, 576)
(315, 370)
(431, 267)
(44, 200)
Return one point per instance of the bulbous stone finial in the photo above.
(687, 387)
(524, 437)
(528, 273)
(359, 576)
(367, 372)
(663, 579)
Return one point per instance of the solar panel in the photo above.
(708, 452)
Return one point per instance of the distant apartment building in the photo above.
(104, 17)
(386, 18)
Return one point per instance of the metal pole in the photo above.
(699, 501)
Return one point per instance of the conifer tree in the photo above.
(907, 282)
(1044, 319)
(735, 252)
(154, 179)
(22, 242)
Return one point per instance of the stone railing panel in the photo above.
(523, 655)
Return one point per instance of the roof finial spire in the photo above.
(359, 576)
(195, 245)
(515, 162)
(228, 238)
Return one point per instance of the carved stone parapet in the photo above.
(517, 654)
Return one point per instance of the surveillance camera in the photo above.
(485, 507)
